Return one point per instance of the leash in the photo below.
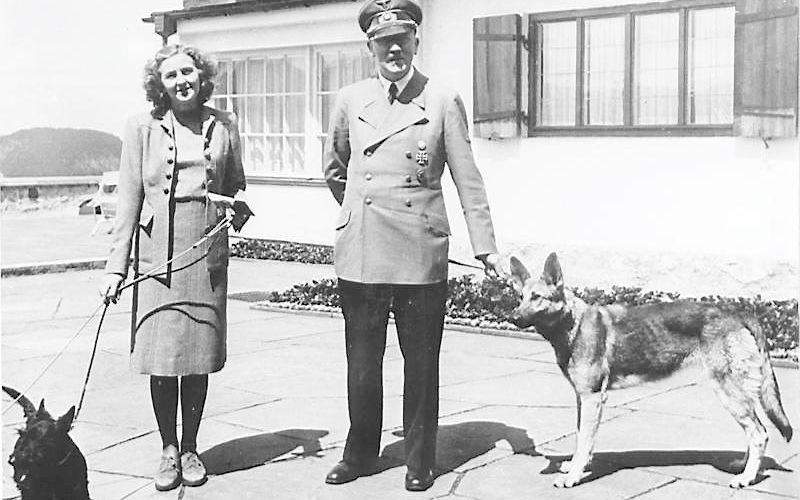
(453, 261)
(223, 224)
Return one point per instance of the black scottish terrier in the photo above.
(47, 464)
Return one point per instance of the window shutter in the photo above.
(765, 97)
(496, 76)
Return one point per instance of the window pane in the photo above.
(274, 111)
(325, 105)
(254, 122)
(256, 83)
(604, 71)
(710, 67)
(557, 70)
(221, 82)
(275, 77)
(238, 86)
(655, 87)
(256, 153)
(295, 74)
(293, 154)
(273, 154)
(326, 71)
(295, 113)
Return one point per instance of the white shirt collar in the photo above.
(401, 83)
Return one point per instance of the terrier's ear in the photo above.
(552, 272)
(41, 409)
(519, 273)
(64, 422)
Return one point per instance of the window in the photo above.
(691, 67)
(283, 100)
(645, 67)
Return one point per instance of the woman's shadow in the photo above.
(252, 451)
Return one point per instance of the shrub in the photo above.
(486, 303)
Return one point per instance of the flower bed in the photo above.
(486, 303)
(288, 251)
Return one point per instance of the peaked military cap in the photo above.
(379, 18)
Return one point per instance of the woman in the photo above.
(176, 162)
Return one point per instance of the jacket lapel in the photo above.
(376, 107)
(409, 110)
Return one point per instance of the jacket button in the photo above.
(409, 155)
(368, 201)
(170, 161)
(368, 177)
(408, 178)
(168, 176)
(171, 148)
(408, 203)
(369, 152)
(166, 190)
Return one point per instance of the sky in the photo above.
(75, 63)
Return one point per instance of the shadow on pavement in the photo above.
(459, 443)
(252, 451)
(606, 463)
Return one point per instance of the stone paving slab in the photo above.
(276, 416)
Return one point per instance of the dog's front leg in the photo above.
(565, 466)
(590, 407)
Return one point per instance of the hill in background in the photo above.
(45, 152)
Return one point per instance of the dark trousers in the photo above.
(419, 317)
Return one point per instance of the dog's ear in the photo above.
(41, 410)
(519, 274)
(64, 422)
(552, 272)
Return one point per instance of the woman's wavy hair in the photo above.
(154, 89)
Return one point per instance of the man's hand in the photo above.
(491, 265)
(110, 287)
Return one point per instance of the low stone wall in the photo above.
(15, 189)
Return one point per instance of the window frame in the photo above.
(579, 16)
(311, 134)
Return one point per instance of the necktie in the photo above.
(392, 93)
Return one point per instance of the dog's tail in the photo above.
(27, 407)
(770, 394)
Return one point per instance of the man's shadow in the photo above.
(252, 451)
(459, 443)
(605, 463)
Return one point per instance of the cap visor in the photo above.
(391, 29)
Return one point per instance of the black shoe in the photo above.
(419, 482)
(344, 472)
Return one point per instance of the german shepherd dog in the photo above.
(598, 348)
(47, 464)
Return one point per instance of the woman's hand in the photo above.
(110, 287)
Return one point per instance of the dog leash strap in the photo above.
(453, 261)
(224, 223)
(91, 362)
(52, 361)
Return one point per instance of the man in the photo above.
(389, 140)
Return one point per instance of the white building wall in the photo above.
(692, 214)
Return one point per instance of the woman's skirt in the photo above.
(180, 316)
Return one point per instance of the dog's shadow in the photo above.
(606, 463)
(253, 451)
(457, 444)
